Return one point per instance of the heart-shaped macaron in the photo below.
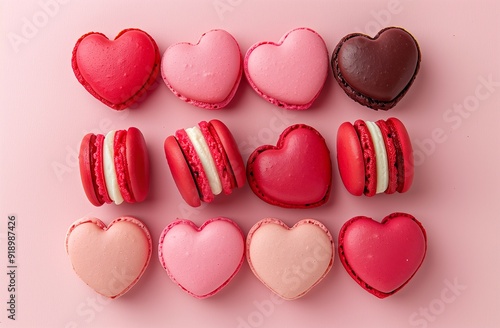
(382, 257)
(110, 259)
(296, 173)
(206, 74)
(290, 261)
(290, 73)
(117, 72)
(202, 260)
(377, 72)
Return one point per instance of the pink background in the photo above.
(45, 113)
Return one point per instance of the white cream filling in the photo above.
(108, 159)
(380, 157)
(201, 147)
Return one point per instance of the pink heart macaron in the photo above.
(117, 72)
(290, 73)
(382, 257)
(206, 74)
(296, 173)
(115, 167)
(110, 259)
(202, 260)
(290, 261)
(204, 161)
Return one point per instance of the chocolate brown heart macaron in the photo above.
(377, 72)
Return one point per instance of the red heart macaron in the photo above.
(117, 72)
(375, 157)
(377, 72)
(296, 173)
(110, 259)
(202, 260)
(204, 161)
(115, 167)
(206, 74)
(382, 257)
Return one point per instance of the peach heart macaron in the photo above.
(290, 261)
(296, 173)
(375, 157)
(110, 259)
(117, 72)
(290, 73)
(382, 257)
(206, 74)
(115, 167)
(377, 72)
(202, 260)
(204, 161)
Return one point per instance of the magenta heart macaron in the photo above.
(114, 167)
(202, 260)
(110, 259)
(290, 261)
(296, 173)
(377, 72)
(117, 72)
(290, 73)
(382, 257)
(206, 74)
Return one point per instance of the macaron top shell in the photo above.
(87, 149)
(382, 257)
(295, 173)
(405, 151)
(350, 159)
(181, 172)
(108, 69)
(112, 258)
(137, 164)
(290, 73)
(231, 150)
(202, 260)
(206, 74)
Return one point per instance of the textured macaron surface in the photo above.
(117, 72)
(205, 74)
(290, 261)
(290, 73)
(202, 260)
(382, 256)
(377, 71)
(297, 172)
(110, 259)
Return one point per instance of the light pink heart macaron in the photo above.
(202, 260)
(290, 73)
(110, 259)
(290, 261)
(206, 74)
